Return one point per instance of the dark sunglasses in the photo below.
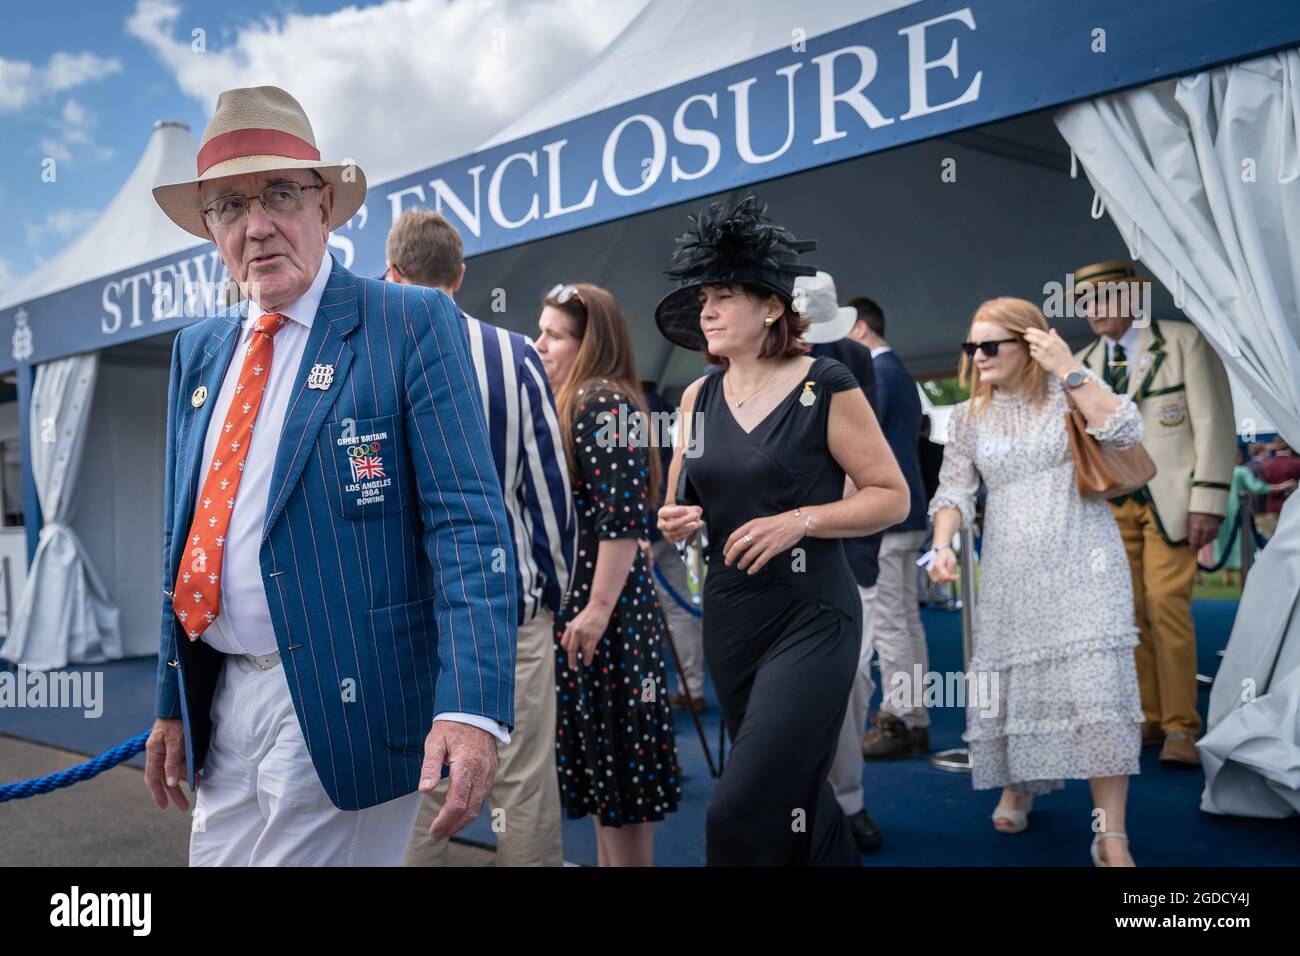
(989, 348)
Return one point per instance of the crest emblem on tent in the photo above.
(321, 377)
(22, 337)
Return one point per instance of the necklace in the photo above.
(755, 391)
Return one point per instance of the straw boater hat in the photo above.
(816, 301)
(728, 245)
(253, 130)
(1120, 270)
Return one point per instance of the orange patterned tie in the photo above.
(197, 598)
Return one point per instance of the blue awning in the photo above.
(914, 73)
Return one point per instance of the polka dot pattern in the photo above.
(615, 752)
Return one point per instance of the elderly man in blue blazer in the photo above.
(338, 618)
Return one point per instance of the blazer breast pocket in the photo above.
(366, 465)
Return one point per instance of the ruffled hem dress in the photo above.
(1054, 629)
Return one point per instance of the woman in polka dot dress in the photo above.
(615, 752)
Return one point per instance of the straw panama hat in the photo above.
(828, 320)
(259, 129)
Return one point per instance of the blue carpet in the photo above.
(928, 818)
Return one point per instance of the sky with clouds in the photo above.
(397, 85)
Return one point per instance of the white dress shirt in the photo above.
(1129, 340)
(243, 623)
(881, 350)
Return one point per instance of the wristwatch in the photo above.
(1074, 379)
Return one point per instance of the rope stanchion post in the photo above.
(957, 759)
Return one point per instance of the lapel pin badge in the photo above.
(808, 396)
(321, 377)
(200, 396)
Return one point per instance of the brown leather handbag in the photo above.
(1102, 471)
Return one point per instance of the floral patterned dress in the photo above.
(615, 752)
(1054, 630)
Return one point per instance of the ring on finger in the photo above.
(748, 539)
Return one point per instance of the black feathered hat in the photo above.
(728, 245)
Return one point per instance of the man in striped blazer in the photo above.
(337, 624)
(528, 453)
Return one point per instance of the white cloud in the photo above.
(397, 86)
(74, 127)
(24, 84)
(60, 224)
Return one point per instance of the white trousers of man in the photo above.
(898, 636)
(260, 801)
(846, 769)
(688, 634)
(525, 794)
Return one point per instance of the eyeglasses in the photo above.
(278, 199)
(562, 293)
(989, 348)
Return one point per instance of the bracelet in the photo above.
(943, 547)
(807, 519)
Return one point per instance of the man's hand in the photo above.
(472, 755)
(1201, 529)
(164, 763)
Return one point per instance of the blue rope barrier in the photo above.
(82, 771)
(677, 598)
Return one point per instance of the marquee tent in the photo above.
(915, 141)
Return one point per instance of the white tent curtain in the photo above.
(64, 615)
(1202, 177)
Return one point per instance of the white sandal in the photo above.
(1096, 843)
(1018, 819)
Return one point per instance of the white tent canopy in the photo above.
(131, 230)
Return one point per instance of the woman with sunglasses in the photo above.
(615, 752)
(772, 437)
(1054, 630)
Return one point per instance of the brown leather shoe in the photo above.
(1152, 734)
(888, 740)
(679, 702)
(1180, 750)
(919, 739)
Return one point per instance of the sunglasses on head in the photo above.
(562, 293)
(989, 348)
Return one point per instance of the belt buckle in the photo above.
(263, 662)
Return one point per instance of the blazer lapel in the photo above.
(336, 318)
(207, 373)
(1090, 358)
(1154, 346)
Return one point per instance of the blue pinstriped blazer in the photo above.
(384, 613)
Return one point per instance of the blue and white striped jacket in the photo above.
(528, 452)
(384, 614)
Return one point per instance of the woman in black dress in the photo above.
(777, 433)
(615, 752)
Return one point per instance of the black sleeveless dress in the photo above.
(781, 645)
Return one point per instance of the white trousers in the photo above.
(260, 801)
(898, 636)
(846, 769)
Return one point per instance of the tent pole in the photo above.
(32, 519)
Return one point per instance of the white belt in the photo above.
(263, 662)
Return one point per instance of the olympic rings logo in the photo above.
(371, 448)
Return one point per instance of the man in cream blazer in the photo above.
(1181, 389)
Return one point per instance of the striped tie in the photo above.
(1117, 371)
(197, 598)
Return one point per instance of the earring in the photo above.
(770, 321)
